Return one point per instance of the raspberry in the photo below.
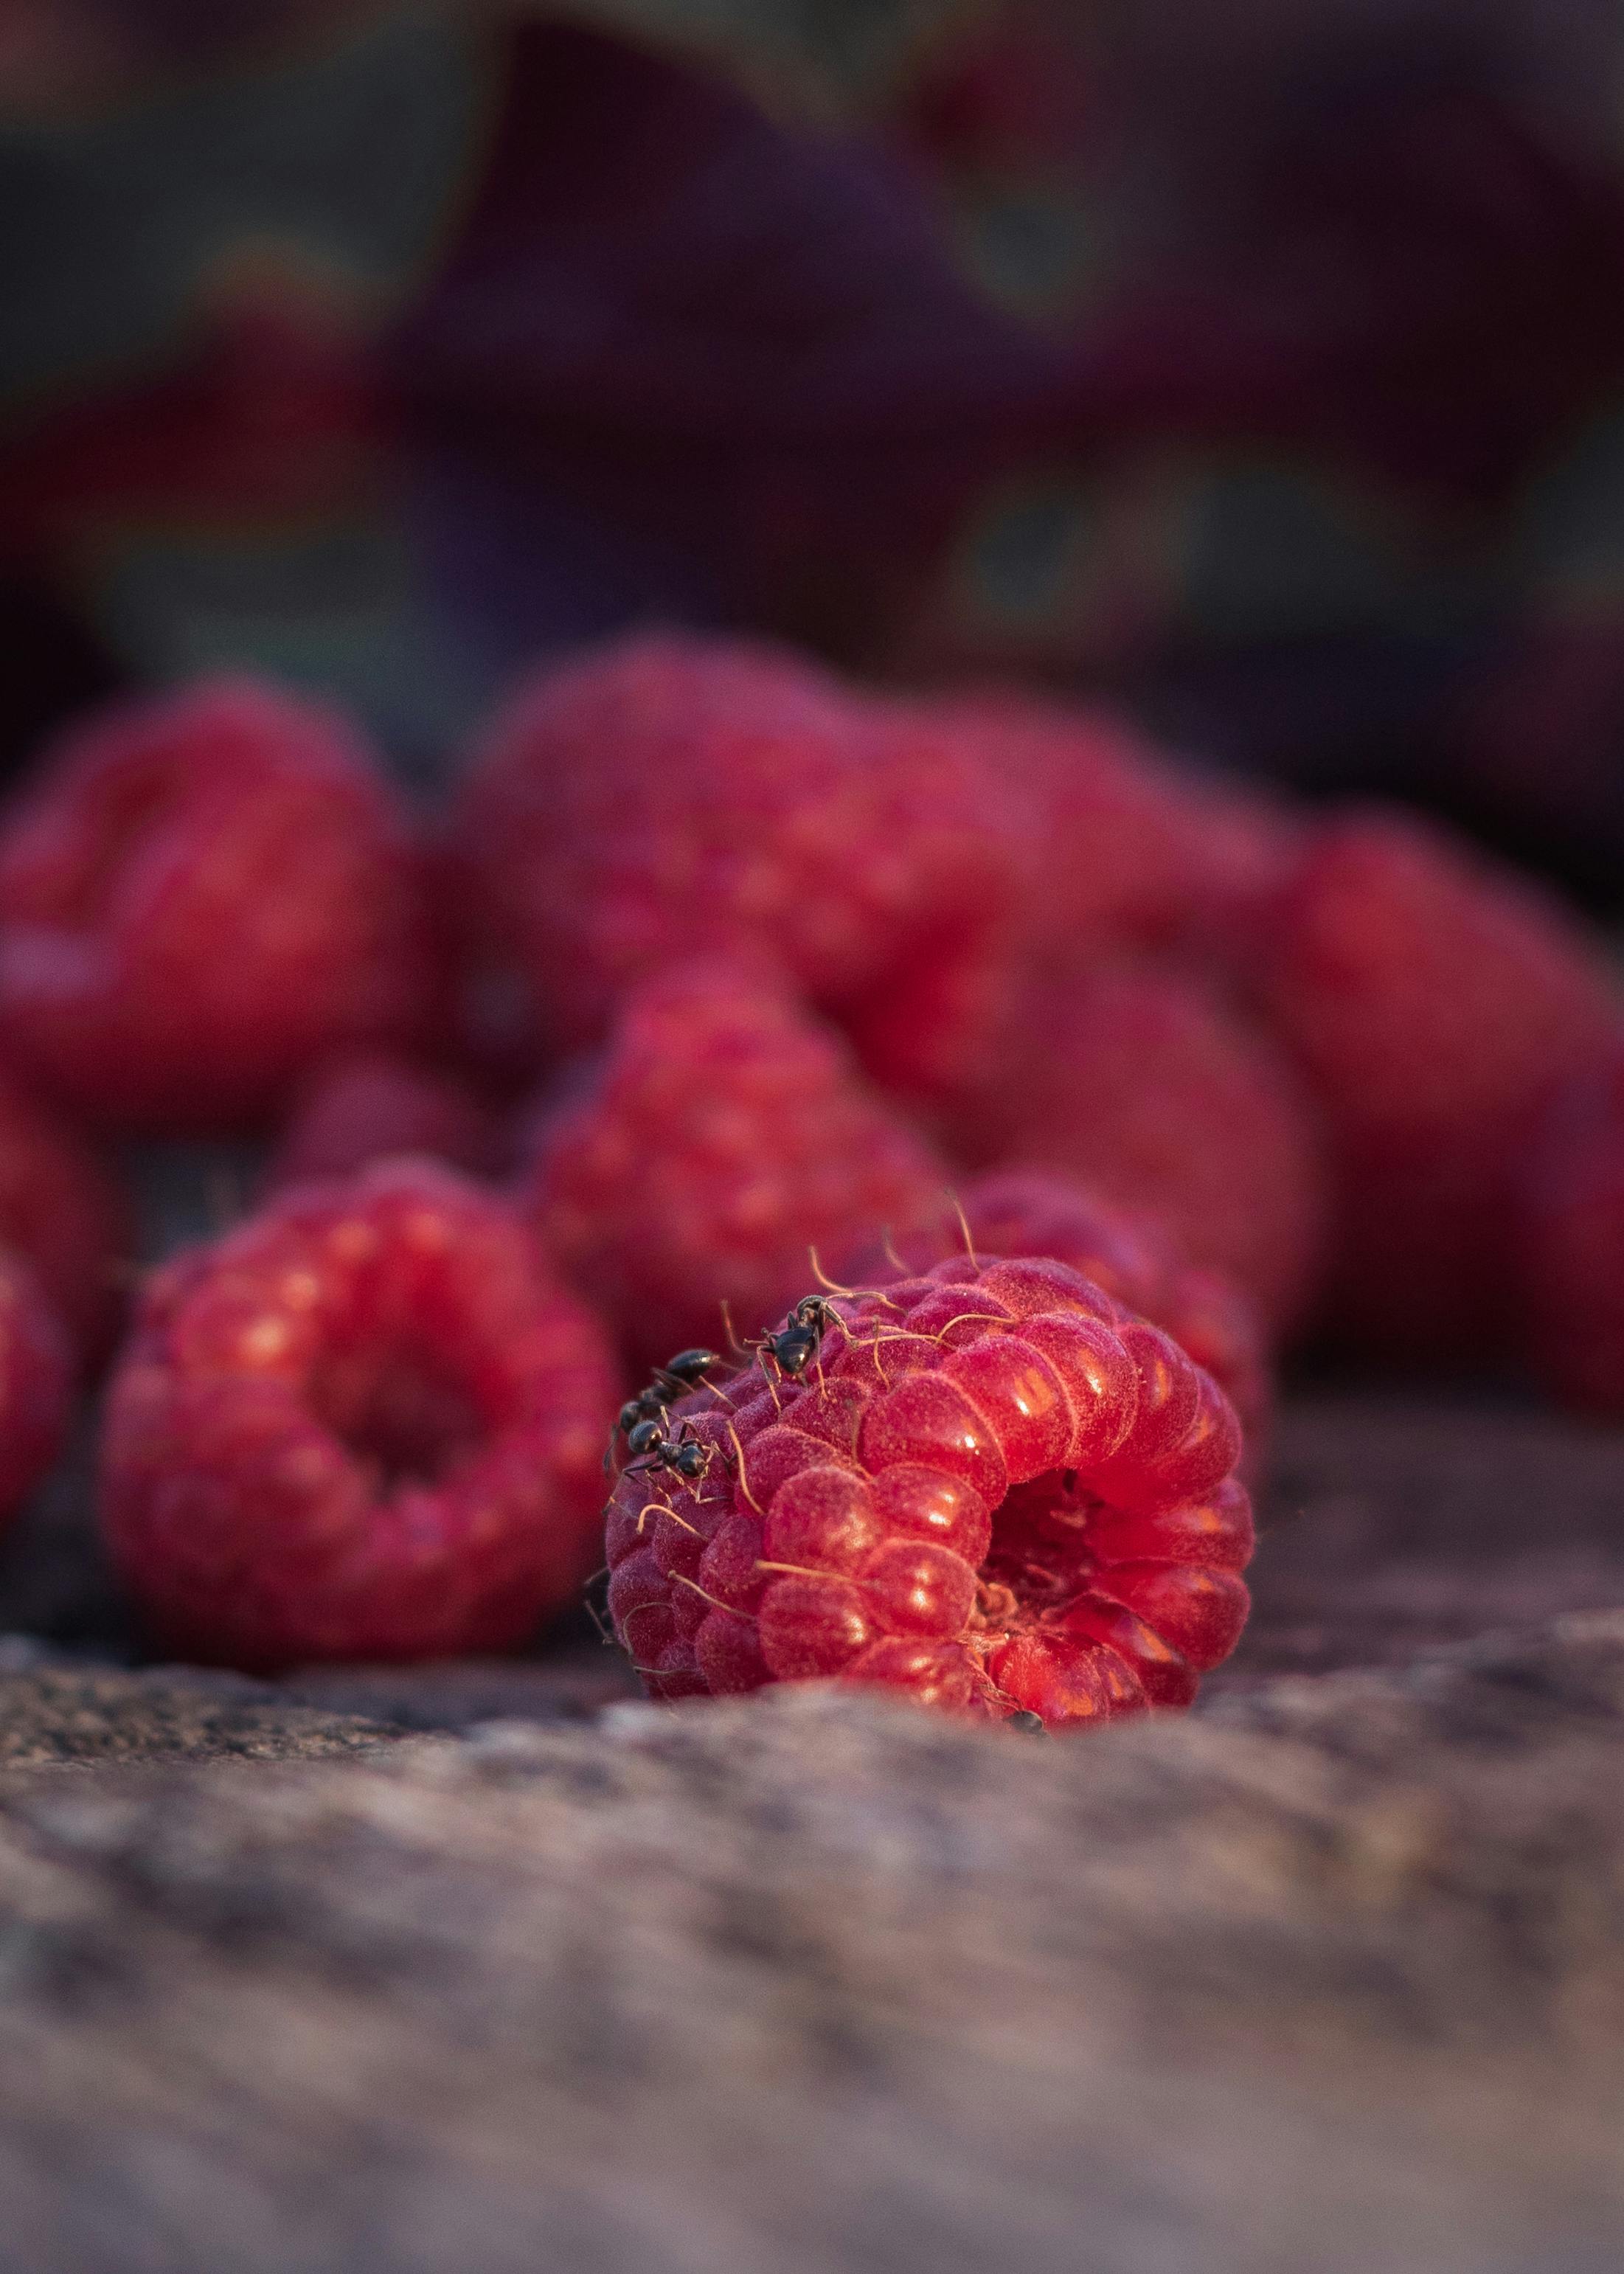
(991, 1488)
(667, 797)
(1126, 847)
(1030, 1212)
(1434, 1001)
(1571, 1227)
(61, 1212)
(1140, 1081)
(722, 1135)
(35, 1384)
(365, 1424)
(200, 895)
(369, 1104)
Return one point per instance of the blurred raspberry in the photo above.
(1434, 1000)
(723, 1135)
(365, 1424)
(201, 893)
(36, 1380)
(1571, 1227)
(1136, 1079)
(1126, 847)
(1033, 1212)
(63, 1212)
(667, 796)
(368, 1104)
(989, 1489)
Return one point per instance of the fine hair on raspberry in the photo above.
(989, 1487)
(367, 1423)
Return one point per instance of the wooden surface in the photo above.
(475, 1968)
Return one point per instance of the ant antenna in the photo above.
(821, 1276)
(964, 1226)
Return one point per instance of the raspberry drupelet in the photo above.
(990, 1487)
(201, 893)
(365, 1424)
(36, 1380)
(723, 1133)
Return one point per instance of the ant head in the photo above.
(631, 1414)
(688, 1460)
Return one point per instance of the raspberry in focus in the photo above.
(36, 1382)
(1435, 1001)
(365, 1424)
(201, 893)
(1141, 1082)
(723, 1135)
(667, 797)
(370, 1104)
(988, 1487)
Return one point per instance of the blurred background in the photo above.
(1260, 364)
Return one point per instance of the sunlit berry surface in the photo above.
(368, 1423)
(989, 1487)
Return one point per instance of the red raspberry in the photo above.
(671, 797)
(370, 1104)
(1571, 1239)
(1137, 1080)
(200, 895)
(988, 1487)
(36, 1374)
(723, 1135)
(1126, 847)
(62, 1212)
(365, 1424)
(1031, 1212)
(1434, 1001)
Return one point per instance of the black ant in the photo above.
(675, 1379)
(796, 1343)
(652, 1448)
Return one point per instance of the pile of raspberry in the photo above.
(719, 986)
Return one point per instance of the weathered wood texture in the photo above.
(1333, 1979)
(1327, 1977)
